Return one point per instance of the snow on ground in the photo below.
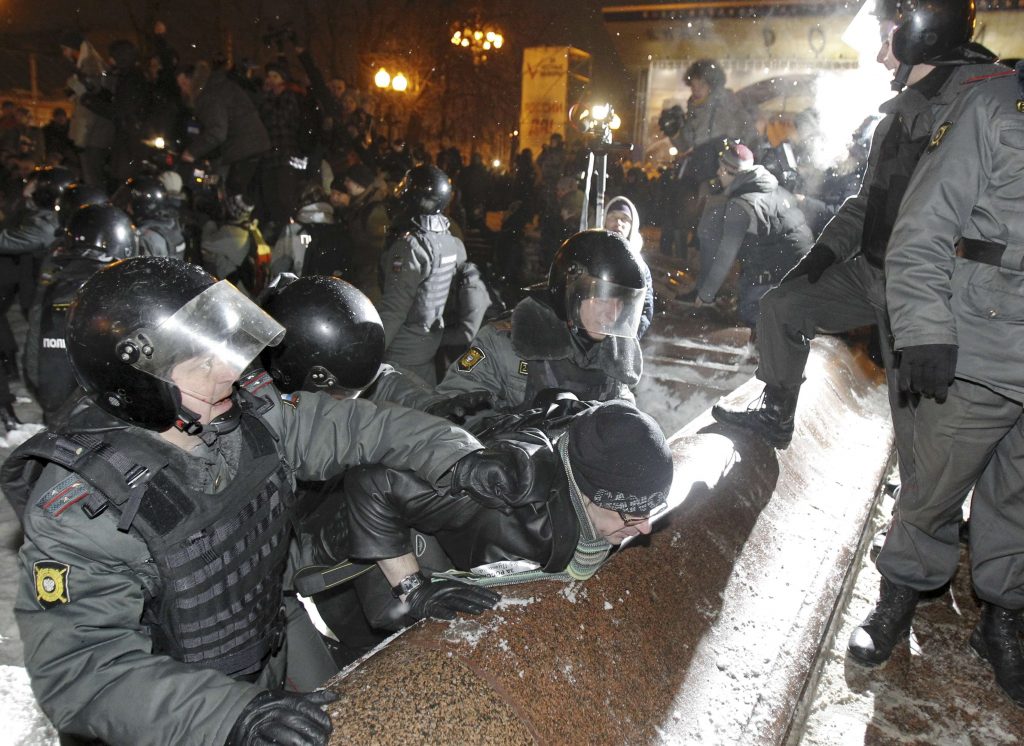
(23, 723)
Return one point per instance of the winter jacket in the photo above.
(384, 504)
(88, 651)
(417, 270)
(230, 126)
(521, 354)
(967, 189)
(910, 118)
(761, 224)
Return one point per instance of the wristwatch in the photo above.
(408, 584)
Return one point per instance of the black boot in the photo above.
(887, 624)
(997, 639)
(9, 418)
(772, 420)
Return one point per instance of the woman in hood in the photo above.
(622, 217)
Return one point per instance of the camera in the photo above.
(671, 120)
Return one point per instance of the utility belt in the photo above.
(995, 254)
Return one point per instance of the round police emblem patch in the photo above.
(51, 580)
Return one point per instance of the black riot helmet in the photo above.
(101, 232)
(77, 196)
(334, 338)
(425, 190)
(143, 197)
(596, 285)
(45, 185)
(927, 30)
(145, 332)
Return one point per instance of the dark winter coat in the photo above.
(231, 129)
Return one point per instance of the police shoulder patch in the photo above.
(470, 360)
(937, 138)
(51, 581)
(255, 380)
(63, 495)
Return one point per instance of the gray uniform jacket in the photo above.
(916, 112)
(508, 351)
(90, 659)
(417, 270)
(34, 234)
(970, 185)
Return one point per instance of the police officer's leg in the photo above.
(953, 442)
(997, 557)
(997, 522)
(309, 661)
(846, 296)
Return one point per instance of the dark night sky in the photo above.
(35, 25)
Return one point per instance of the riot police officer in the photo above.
(956, 313)
(146, 200)
(839, 285)
(96, 236)
(23, 244)
(156, 535)
(76, 196)
(577, 334)
(417, 270)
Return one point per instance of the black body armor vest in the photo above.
(221, 557)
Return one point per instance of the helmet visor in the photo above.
(206, 344)
(603, 308)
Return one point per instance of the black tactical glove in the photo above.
(496, 477)
(457, 408)
(813, 265)
(442, 599)
(280, 717)
(928, 370)
(558, 403)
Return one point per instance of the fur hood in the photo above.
(538, 334)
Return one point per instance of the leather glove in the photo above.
(280, 717)
(457, 408)
(496, 477)
(442, 599)
(558, 403)
(928, 370)
(813, 264)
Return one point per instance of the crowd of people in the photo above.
(281, 376)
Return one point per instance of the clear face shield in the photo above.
(206, 344)
(603, 308)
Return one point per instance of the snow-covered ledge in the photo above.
(705, 633)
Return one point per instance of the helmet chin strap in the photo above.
(188, 422)
(899, 82)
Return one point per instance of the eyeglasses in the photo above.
(636, 520)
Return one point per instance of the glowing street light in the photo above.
(384, 80)
(477, 40)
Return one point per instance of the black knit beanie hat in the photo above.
(620, 459)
